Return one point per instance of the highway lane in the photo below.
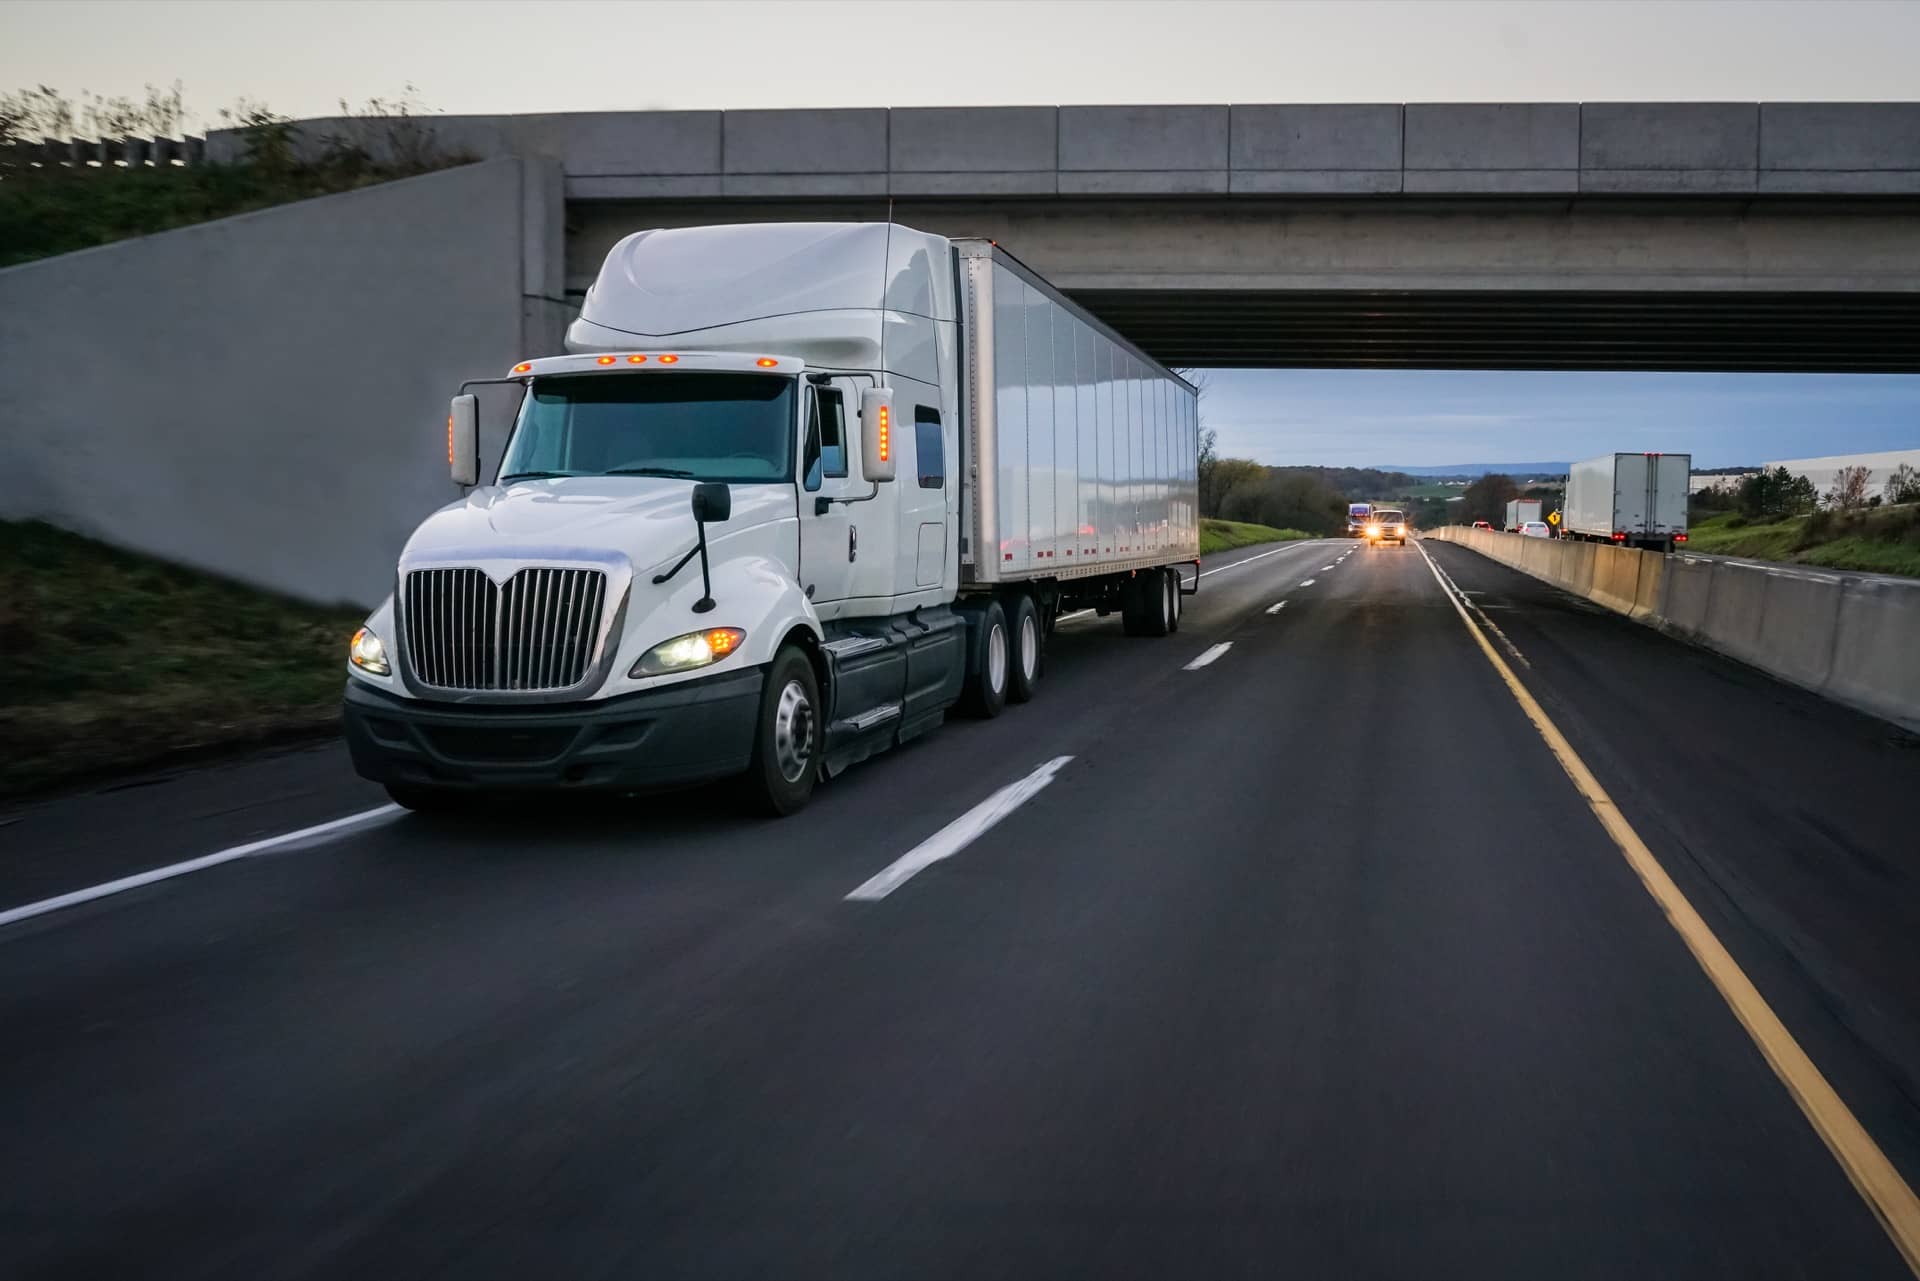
(1309, 960)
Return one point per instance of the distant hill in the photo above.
(1471, 470)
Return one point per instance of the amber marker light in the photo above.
(604, 360)
(636, 360)
(766, 362)
(886, 433)
(669, 360)
(524, 367)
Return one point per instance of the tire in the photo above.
(1151, 610)
(1028, 649)
(786, 737)
(430, 800)
(1173, 600)
(985, 695)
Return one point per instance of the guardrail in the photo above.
(1853, 637)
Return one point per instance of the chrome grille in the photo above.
(536, 631)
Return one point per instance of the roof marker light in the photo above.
(636, 360)
(524, 367)
(766, 362)
(604, 360)
(669, 360)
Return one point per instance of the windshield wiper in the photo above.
(534, 475)
(672, 473)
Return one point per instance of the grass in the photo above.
(115, 660)
(1224, 535)
(1878, 540)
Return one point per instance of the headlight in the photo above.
(683, 653)
(367, 653)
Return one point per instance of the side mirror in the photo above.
(463, 440)
(712, 501)
(876, 435)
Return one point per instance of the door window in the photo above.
(929, 448)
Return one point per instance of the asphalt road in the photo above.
(1309, 961)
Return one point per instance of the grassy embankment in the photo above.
(1224, 535)
(115, 660)
(1883, 540)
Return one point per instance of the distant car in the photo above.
(1535, 529)
(1481, 524)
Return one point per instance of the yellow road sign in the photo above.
(1553, 518)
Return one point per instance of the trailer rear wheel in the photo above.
(786, 738)
(1144, 609)
(1029, 641)
(1173, 600)
(988, 665)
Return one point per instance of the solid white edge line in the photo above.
(172, 870)
(1208, 656)
(957, 835)
(1274, 609)
(1289, 547)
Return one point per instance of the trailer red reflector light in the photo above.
(604, 360)
(524, 367)
(669, 360)
(766, 362)
(636, 360)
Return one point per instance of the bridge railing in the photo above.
(104, 155)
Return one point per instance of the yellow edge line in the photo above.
(1886, 1193)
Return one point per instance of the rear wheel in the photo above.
(1023, 672)
(786, 739)
(1173, 600)
(1144, 606)
(990, 665)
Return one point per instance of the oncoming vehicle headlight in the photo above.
(684, 653)
(367, 653)
(1373, 531)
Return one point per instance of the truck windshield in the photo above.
(737, 428)
(1389, 518)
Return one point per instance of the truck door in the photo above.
(829, 530)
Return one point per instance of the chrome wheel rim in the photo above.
(1029, 647)
(997, 658)
(793, 732)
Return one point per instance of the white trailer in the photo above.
(1635, 500)
(1520, 511)
(897, 459)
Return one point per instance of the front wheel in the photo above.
(786, 738)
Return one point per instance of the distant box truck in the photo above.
(1520, 511)
(796, 490)
(1635, 500)
(1357, 514)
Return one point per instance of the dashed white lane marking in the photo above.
(957, 835)
(1307, 583)
(1328, 569)
(1274, 609)
(134, 882)
(1209, 656)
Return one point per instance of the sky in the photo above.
(301, 57)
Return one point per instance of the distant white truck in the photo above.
(1634, 500)
(895, 458)
(1520, 511)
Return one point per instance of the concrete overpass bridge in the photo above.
(1709, 236)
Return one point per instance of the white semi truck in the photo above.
(1635, 500)
(796, 490)
(1522, 510)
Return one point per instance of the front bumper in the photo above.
(686, 733)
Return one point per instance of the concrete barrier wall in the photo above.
(265, 396)
(1853, 637)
